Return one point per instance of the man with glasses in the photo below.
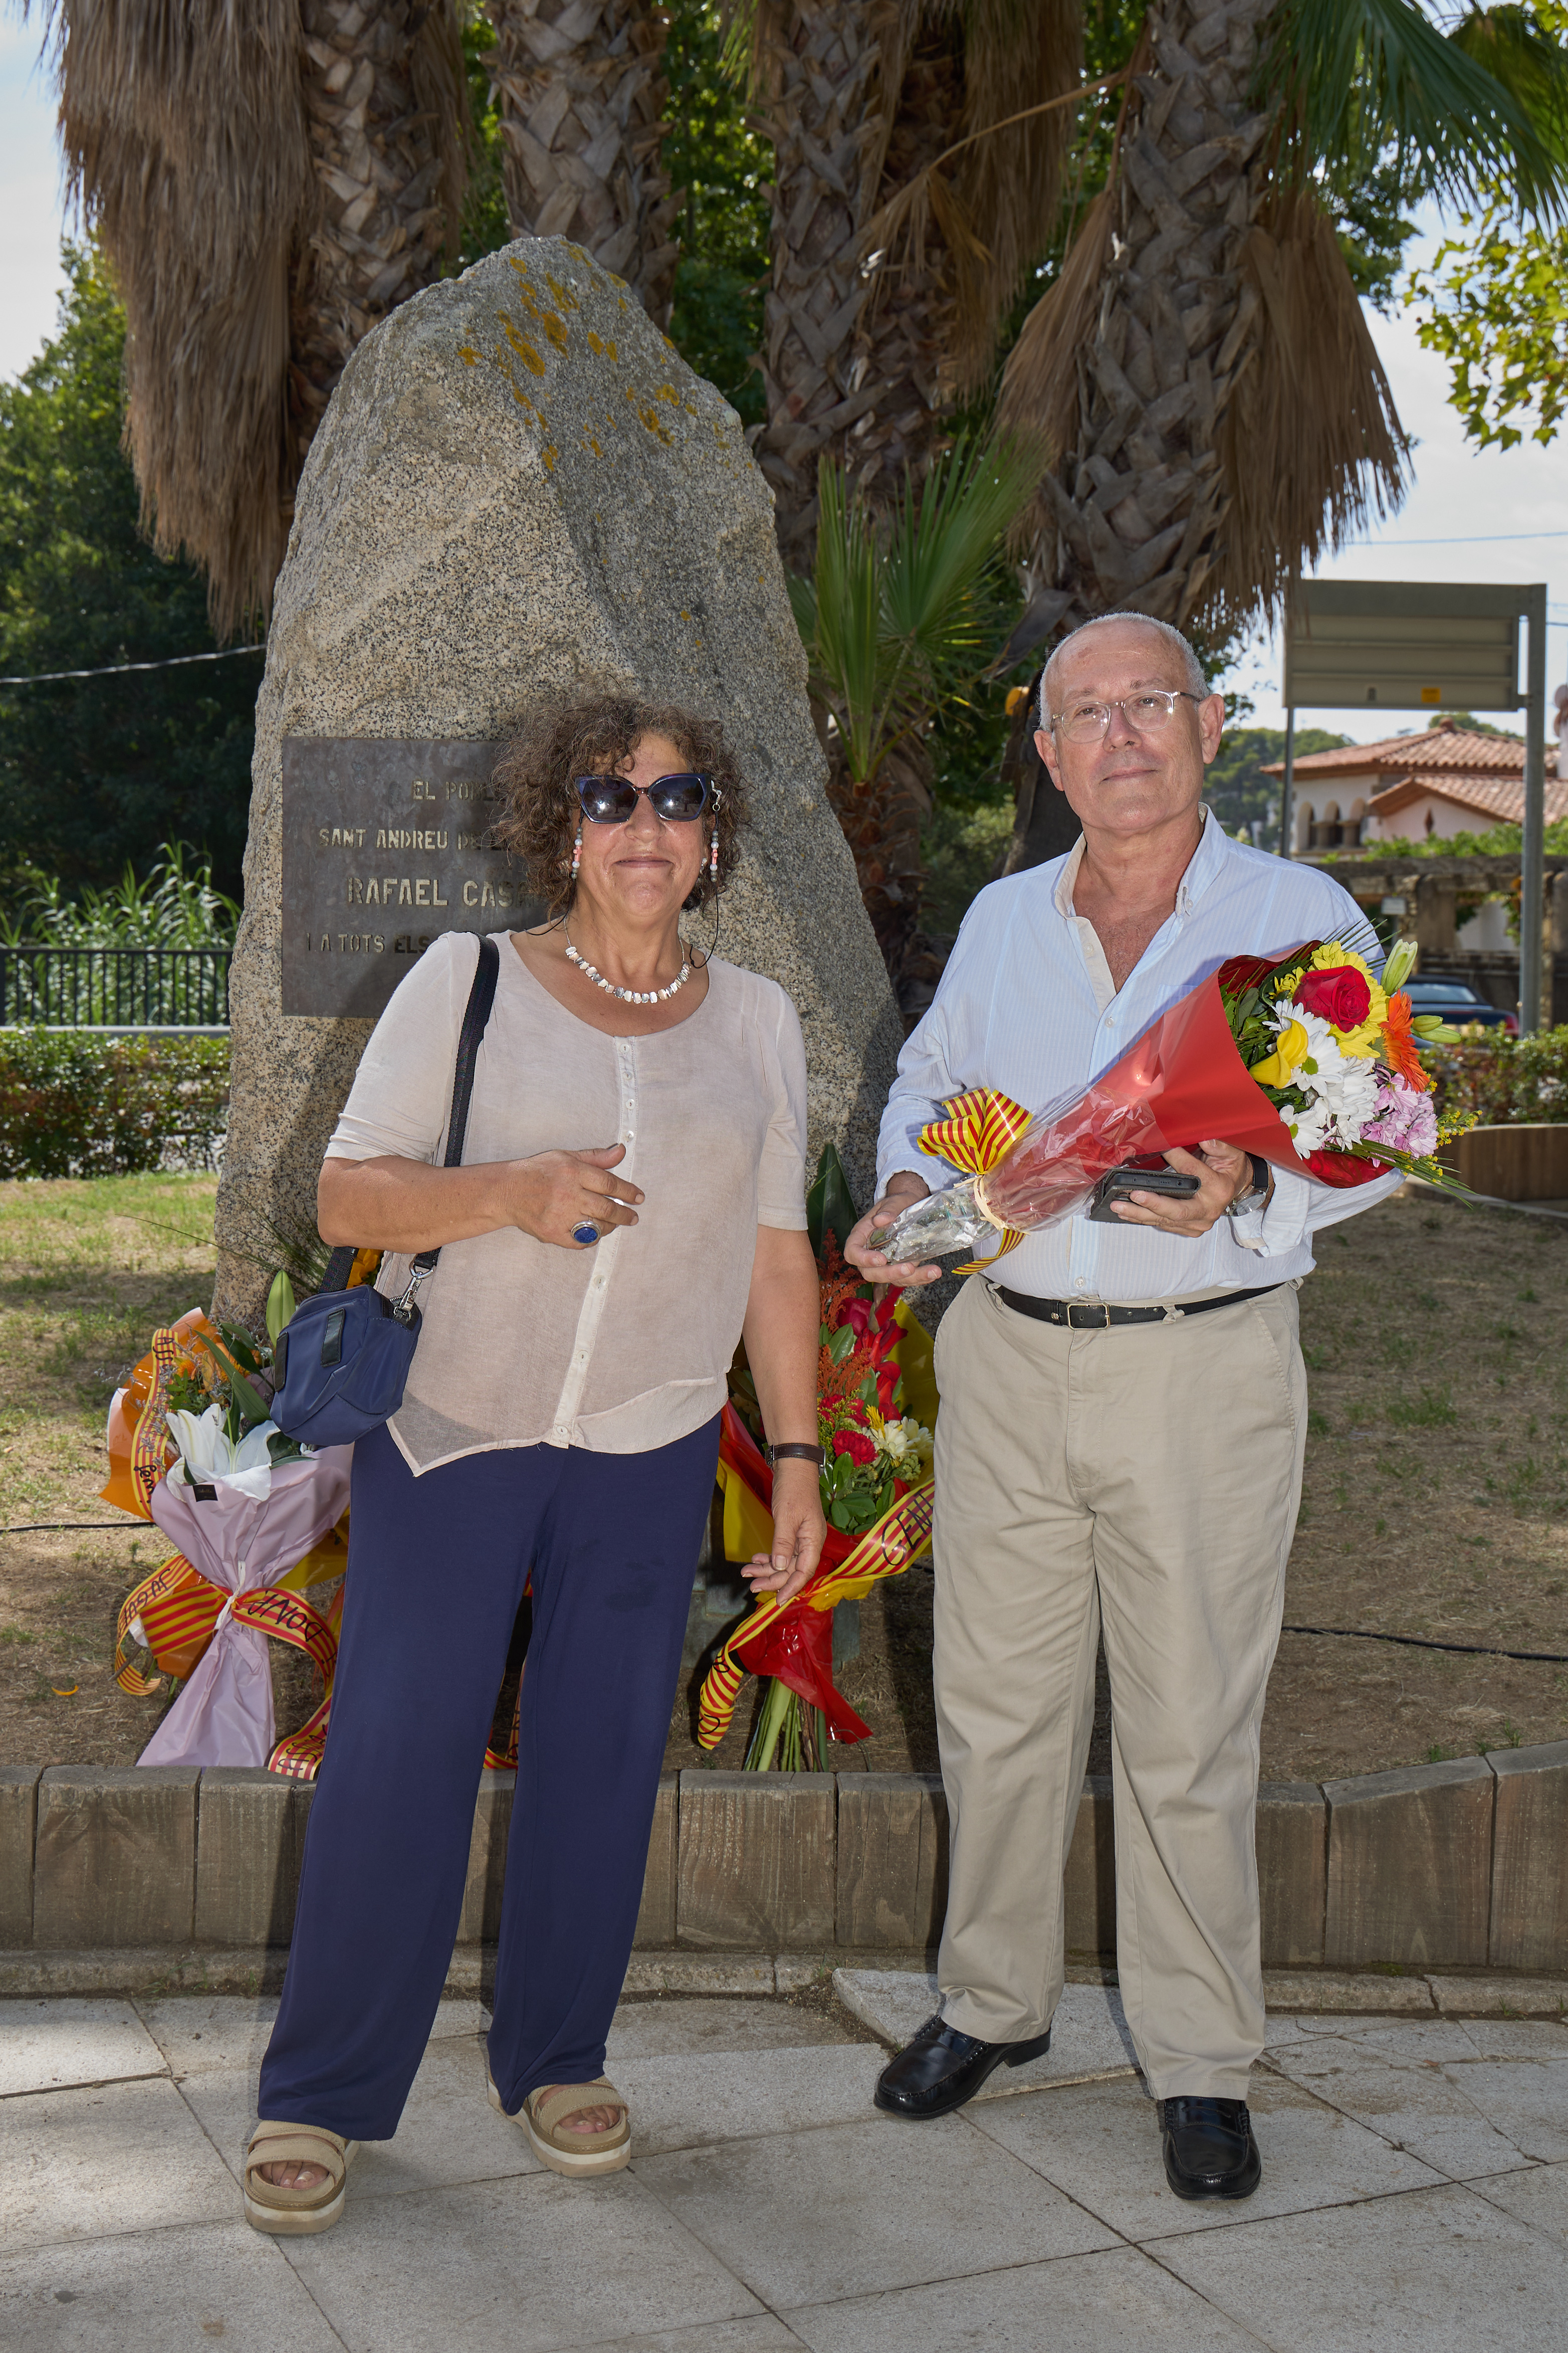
(1119, 1453)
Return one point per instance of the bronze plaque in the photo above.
(386, 844)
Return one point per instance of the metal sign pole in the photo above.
(1532, 877)
(1285, 789)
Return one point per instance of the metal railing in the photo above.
(119, 988)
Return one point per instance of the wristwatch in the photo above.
(1256, 1192)
(790, 1451)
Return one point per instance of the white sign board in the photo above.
(1402, 645)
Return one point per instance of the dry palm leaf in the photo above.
(267, 182)
(984, 276)
(185, 144)
(1312, 445)
(1039, 394)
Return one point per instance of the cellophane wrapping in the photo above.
(1181, 1083)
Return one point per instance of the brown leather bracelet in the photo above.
(799, 1452)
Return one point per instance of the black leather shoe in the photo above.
(942, 2068)
(1209, 2148)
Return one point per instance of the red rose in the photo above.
(1338, 995)
(855, 1444)
(857, 1314)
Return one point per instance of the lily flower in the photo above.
(209, 1458)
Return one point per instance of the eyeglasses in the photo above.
(678, 800)
(1145, 714)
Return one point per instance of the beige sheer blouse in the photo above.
(626, 1346)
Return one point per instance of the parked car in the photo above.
(1456, 1001)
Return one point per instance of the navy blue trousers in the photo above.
(437, 1569)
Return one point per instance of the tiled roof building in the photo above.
(1444, 780)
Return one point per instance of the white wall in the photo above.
(1487, 928)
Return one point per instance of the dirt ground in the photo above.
(1436, 1483)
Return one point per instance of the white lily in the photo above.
(209, 1458)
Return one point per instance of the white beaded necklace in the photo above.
(629, 995)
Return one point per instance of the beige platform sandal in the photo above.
(574, 2153)
(296, 2213)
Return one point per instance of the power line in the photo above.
(1468, 539)
(115, 669)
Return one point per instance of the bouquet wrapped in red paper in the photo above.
(875, 1402)
(1307, 1060)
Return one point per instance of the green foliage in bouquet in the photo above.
(236, 1377)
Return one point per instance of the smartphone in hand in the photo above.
(1175, 1184)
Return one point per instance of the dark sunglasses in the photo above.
(610, 800)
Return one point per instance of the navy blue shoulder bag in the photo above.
(342, 1359)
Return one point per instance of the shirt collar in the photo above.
(1202, 867)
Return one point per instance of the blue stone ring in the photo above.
(587, 1233)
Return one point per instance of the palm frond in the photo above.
(1358, 76)
(186, 145)
(852, 664)
(893, 619)
(942, 544)
(1312, 447)
(1038, 398)
(990, 197)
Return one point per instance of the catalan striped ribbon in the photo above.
(898, 1537)
(975, 1132)
(150, 1445)
(174, 1614)
(171, 1613)
(298, 1755)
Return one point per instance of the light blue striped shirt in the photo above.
(1027, 1005)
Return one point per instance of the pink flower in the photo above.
(1404, 1119)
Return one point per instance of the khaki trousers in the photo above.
(1142, 1481)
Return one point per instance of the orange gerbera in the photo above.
(1399, 1044)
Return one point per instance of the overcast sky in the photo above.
(1497, 516)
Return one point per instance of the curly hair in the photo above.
(571, 736)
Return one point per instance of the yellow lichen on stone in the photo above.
(468, 354)
(523, 347)
(550, 453)
(667, 392)
(591, 444)
(563, 294)
(605, 350)
(650, 417)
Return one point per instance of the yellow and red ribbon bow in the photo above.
(795, 1643)
(976, 1132)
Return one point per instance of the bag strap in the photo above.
(476, 1020)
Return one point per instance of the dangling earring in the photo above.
(577, 850)
(714, 845)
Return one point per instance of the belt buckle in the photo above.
(1087, 1308)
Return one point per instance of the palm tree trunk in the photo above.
(905, 350)
(817, 69)
(583, 94)
(1201, 367)
(866, 353)
(385, 107)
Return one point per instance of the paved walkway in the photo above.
(1414, 2195)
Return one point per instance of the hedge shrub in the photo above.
(76, 1105)
(1505, 1080)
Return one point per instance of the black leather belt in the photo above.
(1092, 1315)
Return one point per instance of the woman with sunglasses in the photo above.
(631, 1199)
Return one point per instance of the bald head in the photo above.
(1188, 670)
